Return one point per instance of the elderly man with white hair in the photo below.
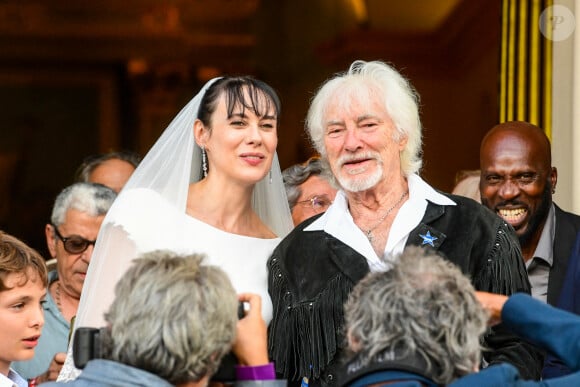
(365, 125)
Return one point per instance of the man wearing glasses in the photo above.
(308, 189)
(76, 218)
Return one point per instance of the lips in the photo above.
(31, 341)
(252, 158)
(354, 167)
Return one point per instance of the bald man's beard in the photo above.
(539, 217)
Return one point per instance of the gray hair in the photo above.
(297, 174)
(424, 305)
(172, 316)
(90, 198)
(91, 163)
(363, 81)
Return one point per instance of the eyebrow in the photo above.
(336, 122)
(264, 117)
(366, 117)
(358, 120)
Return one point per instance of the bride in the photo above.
(210, 184)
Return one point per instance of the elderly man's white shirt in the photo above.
(338, 222)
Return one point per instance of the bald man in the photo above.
(517, 183)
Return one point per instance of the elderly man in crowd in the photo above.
(76, 218)
(172, 321)
(308, 189)
(517, 182)
(365, 123)
(110, 169)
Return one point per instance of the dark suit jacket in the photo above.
(567, 227)
(562, 282)
(312, 273)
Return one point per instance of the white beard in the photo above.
(352, 183)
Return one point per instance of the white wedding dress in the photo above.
(149, 214)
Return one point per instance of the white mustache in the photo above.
(358, 157)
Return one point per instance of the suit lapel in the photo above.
(349, 261)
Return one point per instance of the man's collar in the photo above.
(418, 190)
(545, 248)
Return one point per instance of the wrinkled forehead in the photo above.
(355, 99)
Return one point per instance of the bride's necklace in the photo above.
(369, 232)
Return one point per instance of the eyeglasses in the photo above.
(317, 202)
(74, 244)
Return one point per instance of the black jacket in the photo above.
(567, 228)
(312, 273)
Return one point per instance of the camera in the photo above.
(87, 345)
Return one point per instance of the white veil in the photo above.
(169, 167)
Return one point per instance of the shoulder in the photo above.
(495, 375)
(467, 215)
(298, 238)
(138, 196)
(566, 216)
(139, 208)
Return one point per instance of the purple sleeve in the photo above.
(261, 372)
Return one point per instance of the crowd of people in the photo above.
(205, 263)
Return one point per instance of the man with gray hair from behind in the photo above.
(420, 321)
(71, 234)
(171, 322)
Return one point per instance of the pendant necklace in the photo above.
(369, 232)
(57, 292)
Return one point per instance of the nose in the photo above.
(254, 136)
(508, 190)
(352, 141)
(37, 317)
(87, 254)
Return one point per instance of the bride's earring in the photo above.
(203, 162)
(270, 176)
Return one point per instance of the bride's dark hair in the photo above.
(245, 91)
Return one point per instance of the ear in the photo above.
(554, 178)
(200, 133)
(50, 240)
(403, 142)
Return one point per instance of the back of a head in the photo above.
(423, 306)
(90, 198)
(467, 184)
(363, 81)
(91, 162)
(18, 258)
(172, 316)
